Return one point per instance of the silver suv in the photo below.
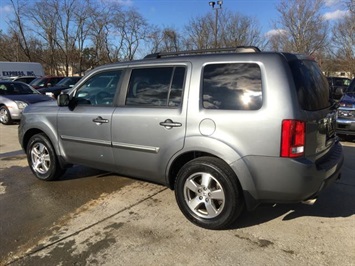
(225, 130)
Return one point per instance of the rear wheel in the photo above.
(208, 193)
(42, 158)
(5, 117)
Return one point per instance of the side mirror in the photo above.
(63, 100)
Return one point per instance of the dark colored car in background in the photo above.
(26, 79)
(65, 83)
(337, 86)
(346, 112)
(44, 82)
(14, 97)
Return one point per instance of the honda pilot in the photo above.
(226, 129)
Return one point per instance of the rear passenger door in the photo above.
(149, 127)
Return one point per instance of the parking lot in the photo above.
(95, 218)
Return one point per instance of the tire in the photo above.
(5, 117)
(42, 159)
(208, 193)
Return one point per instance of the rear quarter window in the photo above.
(235, 86)
(311, 85)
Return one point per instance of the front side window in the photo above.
(100, 89)
(160, 86)
(234, 86)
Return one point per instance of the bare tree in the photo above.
(45, 27)
(101, 32)
(154, 40)
(19, 31)
(69, 33)
(343, 40)
(164, 40)
(130, 29)
(239, 30)
(81, 18)
(50, 32)
(200, 32)
(301, 27)
(170, 40)
(234, 29)
(65, 39)
(7, 51)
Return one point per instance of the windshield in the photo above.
(66, 82)
(16, 88)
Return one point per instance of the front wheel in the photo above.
(42, 159)
(5, 117)
(208, 193)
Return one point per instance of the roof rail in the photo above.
(238, 49)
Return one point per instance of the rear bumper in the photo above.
(330, 164)
(282, 180)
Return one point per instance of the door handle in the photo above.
(168, 123)
(100, 120)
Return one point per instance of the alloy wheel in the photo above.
(40, 158)
(204, 195)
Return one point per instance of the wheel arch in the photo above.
(215, 148)
(52, 137)
(28, 135)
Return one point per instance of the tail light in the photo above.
(292, 138)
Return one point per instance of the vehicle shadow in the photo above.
(12, 154)
(335, 201)
(78, 172)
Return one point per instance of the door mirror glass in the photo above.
(63, 100)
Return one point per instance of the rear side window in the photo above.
(160, 86)
(311, 85)
(232, 86)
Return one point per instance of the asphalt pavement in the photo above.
(92, 217)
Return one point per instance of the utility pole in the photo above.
(215, 6)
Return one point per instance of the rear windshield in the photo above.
(312, 86)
